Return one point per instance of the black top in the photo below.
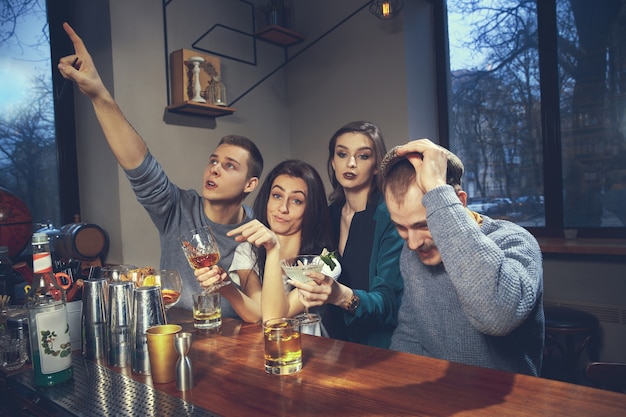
(355, 263)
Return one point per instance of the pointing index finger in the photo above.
(79, 46)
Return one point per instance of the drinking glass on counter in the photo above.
(283, 347)
(13, 352)
(207, 310)
(171, 285)
(200, 248)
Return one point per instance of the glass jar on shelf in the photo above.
(217, 92)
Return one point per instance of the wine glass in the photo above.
(200, 248)
(297, 267)
(171, 286)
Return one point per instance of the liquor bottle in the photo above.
(50, 340)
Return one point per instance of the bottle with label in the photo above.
(50, 339)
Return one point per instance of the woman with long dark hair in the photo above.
(291, 218)
(363, 303)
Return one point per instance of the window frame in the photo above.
(60, 11)
(550, 114)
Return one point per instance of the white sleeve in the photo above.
(243, 259)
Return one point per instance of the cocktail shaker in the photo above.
(148, 311)
(94, 318)
(120, 324)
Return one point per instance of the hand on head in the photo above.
(256, 233)
(430, 161)
(79, 67)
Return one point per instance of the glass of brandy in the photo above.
(171, 286)
(200, 248)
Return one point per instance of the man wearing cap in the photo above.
(473, 286)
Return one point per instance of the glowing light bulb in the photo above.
(386, 9)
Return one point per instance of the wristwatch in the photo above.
(352, 303)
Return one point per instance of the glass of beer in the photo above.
(207, 310)
(283, 347)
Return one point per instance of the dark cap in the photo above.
(454, 172)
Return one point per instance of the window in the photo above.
(37, 145)
(535, 106)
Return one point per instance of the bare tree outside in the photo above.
(13, 14)
(28, 156)
(496, 115)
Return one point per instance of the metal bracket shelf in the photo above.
(274, 34)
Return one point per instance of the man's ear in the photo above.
(463, 197)
(251, 185)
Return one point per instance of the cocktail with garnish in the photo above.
(200, 248)
(171, 285)
(297, 267)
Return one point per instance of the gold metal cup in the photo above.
(162, 352)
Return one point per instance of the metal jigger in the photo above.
(148, 311)
(184, 371)
(120, 326)
(94, 318)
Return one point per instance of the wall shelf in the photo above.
(274, 34)
(279, 35)
(203, 109)
(181, 79)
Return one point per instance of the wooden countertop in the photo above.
(583, 246)
(347, 379)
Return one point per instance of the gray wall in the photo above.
(344, 76)
(366, 69)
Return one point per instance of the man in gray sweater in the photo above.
(473, 286)
(232, 172)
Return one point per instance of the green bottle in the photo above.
(50, 340)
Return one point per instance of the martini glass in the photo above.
(297, 267)
(200, 248)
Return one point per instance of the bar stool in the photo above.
(607, 375)
(577, 329)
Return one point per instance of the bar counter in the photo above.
(337, 378)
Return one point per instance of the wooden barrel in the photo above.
(81, 241)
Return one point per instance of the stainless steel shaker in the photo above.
(148, 311)
(120, 323)
(94, 318)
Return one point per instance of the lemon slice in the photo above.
(150, 281)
